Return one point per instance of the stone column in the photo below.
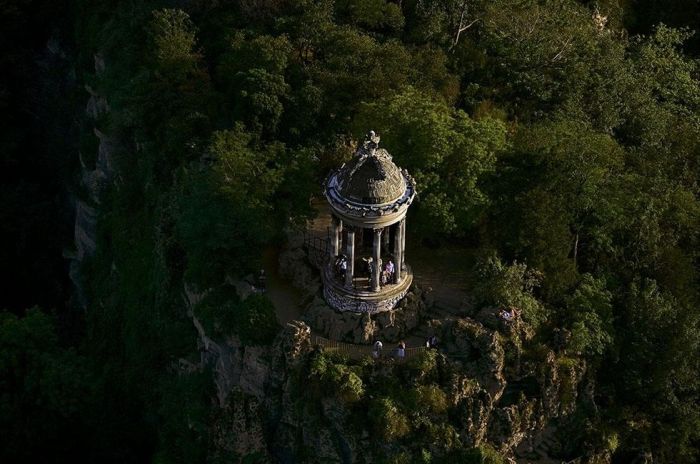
(398, 251)
(336, 228)
(351, 258)
(403, 242)
(386, 237)
(376, 258)
(340, 235)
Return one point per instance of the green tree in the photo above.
(226, 208)
(446, 151)
(252, 73)
(541, 51)
(47, 393)
(656, 374)
(504, 285)
(565, 175)
(589, 309)
(378, 15)
(173, 35)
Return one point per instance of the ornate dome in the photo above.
(370, 189)
(371, 178)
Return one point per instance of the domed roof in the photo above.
(371, 178)
(370, 190)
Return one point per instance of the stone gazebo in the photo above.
(369, 197)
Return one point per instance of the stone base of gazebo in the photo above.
(364, 328)
(343, 299)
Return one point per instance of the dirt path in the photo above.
(284, 296)
(445, 270)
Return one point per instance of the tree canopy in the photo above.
(559, 139)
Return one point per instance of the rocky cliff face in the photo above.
(94, 181)
(503, 391)
(261, 414)
(390, 326)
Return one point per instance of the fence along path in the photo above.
(357, 352)
(317, 248)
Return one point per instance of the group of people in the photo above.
(387, 272)
(399, 352)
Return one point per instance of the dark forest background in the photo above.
(563, 134)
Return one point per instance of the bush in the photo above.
(254, 320)
(215, 310)
(221, 313)
(430, 398)
(440, 435)
(388, 422)
(424, 364)
(484, 454)
(500, 284)
(337, 378)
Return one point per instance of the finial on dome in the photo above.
(371, 141)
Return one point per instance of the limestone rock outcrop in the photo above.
(364, 328)
(502, 390)
(238, 429)
(94, 181)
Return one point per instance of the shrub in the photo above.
(440, 435)
(221, 313)
(484, 454)
(215, 310)
(430, 398)
(254, 320)
(424, 364)
(500, 284)
(337, 378)
(388, 422)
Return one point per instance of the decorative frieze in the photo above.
(344, 302)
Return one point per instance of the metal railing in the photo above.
(357, 352)
(317, 248)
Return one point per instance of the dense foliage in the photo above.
(559, 137)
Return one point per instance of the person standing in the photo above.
(343, 267)
(389, 270)
(431, 343)
(377, 349)
(401, 350)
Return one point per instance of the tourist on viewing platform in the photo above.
(388, 273)
(401, 350)
(377, 349)
(431, 342)
(341, 266)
